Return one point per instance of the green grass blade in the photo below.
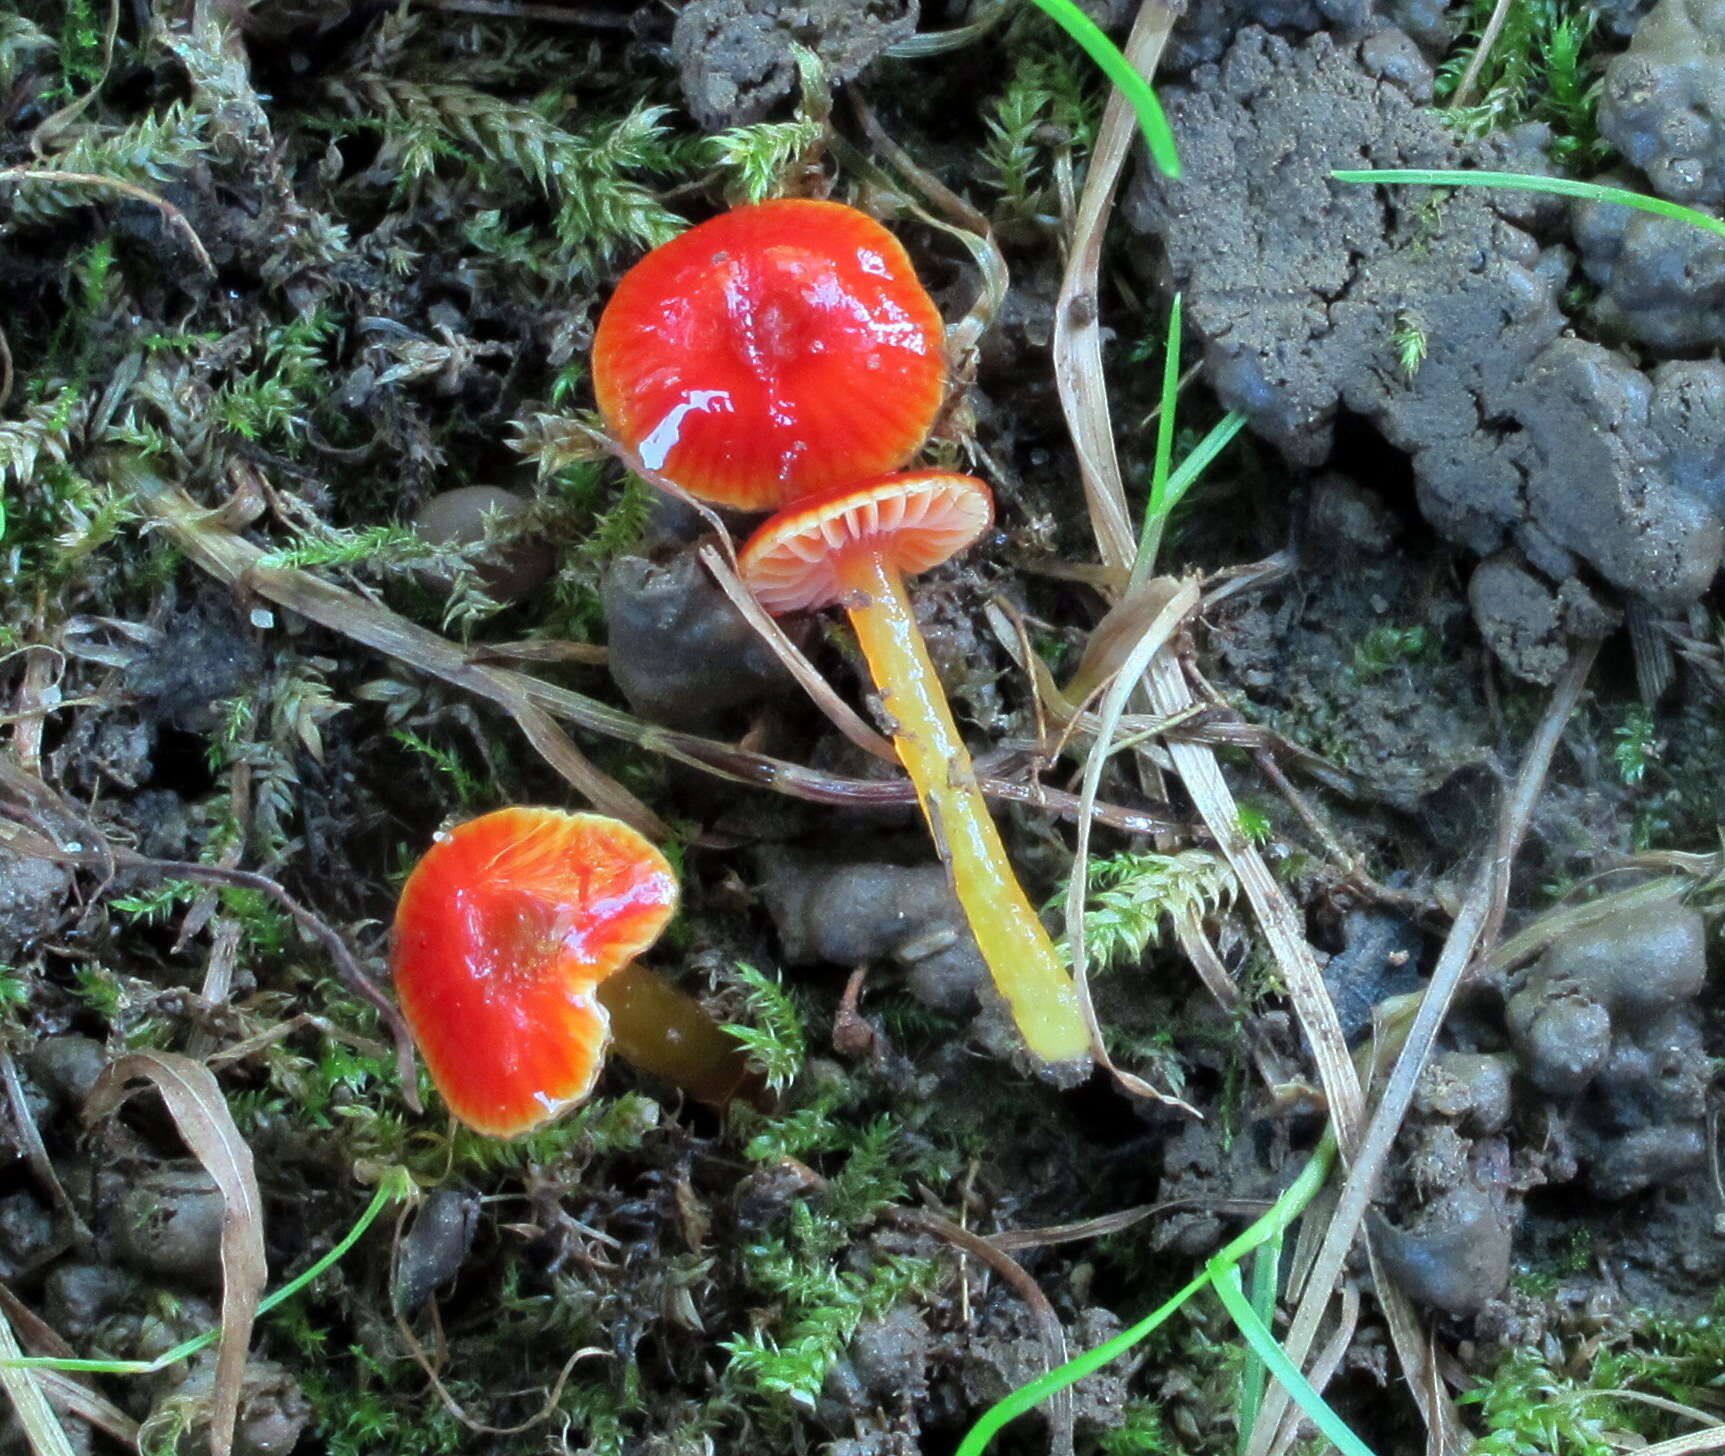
(1561, 186)
(1206, 450)
(1156, 508)
(1152, 120)
(1185, 476)
(1225, 1280)
(1266, 1271)
(1272, 1225)
(1031, 1394)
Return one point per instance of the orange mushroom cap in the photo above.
(916, 519)
(504, 931)
(770, 352)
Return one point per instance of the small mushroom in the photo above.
(770, 352)
(513, 959)
(854, 545)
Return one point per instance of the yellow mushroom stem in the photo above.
(1020, 956)
(662, 1031)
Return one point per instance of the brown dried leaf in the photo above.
(195, 1102)
(42, 1428)
(1169, 603)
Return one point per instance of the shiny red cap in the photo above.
(504, 931)
(770, 352)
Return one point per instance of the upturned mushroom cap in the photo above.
(504, 931)
(915, 520)
(770, 352)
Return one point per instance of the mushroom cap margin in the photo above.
(916, 519)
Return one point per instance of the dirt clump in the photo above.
(1661, 281)
(509, 565)
(66, 1067)
(1591, 1095)
(273, 1411)
(1456, 1254)
(1301, 286)
(1291, 279)
(1355, 662)
(203, 654)
(1472, 1089)
(850, 914)
(80, 1298)
(1663, 104)
(1380, 957)
(736, 57)
(435, 1247)
(1621, 17)
(886, 1368)
(168, 1224)
(1520, 618)
(1204, 31)
(33, 902)
(1004, 1351)
(1609, 1012)
(1622, 470)
(680, 652)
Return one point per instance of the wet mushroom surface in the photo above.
(410, 420)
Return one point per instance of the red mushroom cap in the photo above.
(504, 931)
(915, 520)
(772, 351)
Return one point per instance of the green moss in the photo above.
(1544, 66)
(1528, 1407)
(819, 1295)
(1141, 1432)
(1388, 647)
(1131, 892)
(774, 1034)
(1048, 108)
(1636, 744)
(363, 1406)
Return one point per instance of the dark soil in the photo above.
(1486, 431)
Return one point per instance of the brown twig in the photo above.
(1482, 52)
(232, 560)
(838, 712)
(35, 1153)
(1125, 1218)
(527, 10)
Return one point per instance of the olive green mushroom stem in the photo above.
(1020, 956)
(668, 1034)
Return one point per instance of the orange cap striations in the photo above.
(770, 352)
(504, 931)
(915, 520)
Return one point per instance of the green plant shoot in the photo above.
(1157, 508)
